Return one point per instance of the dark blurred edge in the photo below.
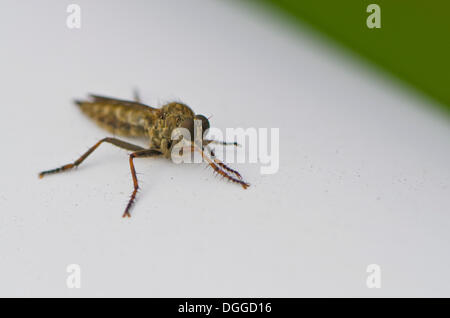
(413, 43)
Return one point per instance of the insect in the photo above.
(135, 119)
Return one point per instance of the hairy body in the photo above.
(134, 119)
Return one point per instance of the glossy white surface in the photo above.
(364, 164)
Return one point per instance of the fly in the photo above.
(135, 119)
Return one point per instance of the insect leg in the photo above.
(223, 143)
(217, 161)
(137, 154)
(224, 166)
(216, 168)
(117, 142)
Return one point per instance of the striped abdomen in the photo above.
(120, 117)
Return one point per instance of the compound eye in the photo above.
(205, 122)
(188, 124)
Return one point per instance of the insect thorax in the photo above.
(160, 132)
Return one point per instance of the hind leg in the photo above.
(114, 141)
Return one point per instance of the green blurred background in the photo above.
(412, 43)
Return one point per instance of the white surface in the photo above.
(363, 178)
